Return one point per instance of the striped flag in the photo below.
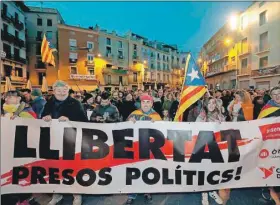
(193, 88)
(47, 52)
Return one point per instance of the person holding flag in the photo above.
(194, 87)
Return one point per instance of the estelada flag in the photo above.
(268, 109)
(193, 88)
(47, 52)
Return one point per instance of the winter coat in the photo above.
(127, 108)
(173, 109)
(167, 104)
(38, 106)
(158, 106)
(70, 108)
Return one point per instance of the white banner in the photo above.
(89, 158)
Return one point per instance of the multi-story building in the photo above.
(114, 52)
(42, 21)
(259, 44)
(79, 64)
(13, 43)
(245, 52)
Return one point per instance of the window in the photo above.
(108, 41)
(158, 56)
(135, 46)
(5, 27)
(152, 76)
(244, 22)
(163, 57)
(109, 66)
(183, 60)
(134, 54)
(18, 72)
(244, 63)
(152, 54)
(39, 22)
(163, 66)
(120, 44)
(120, 54)
(5, 9)
(41, 75)
(16, 34)
(49, 35)
(152, 66)
(109, 79)
(167, 67)
(108, 51)
(90, 57)
(39, 35)
(72, 42)
(167, 59)
(134, 77)
(158, 77)
(244, 46)
(262, 18)
(73, 56)
(49, 22)
(158, 66)
(121, 79)
(73, 70)
(91, 71)
(164, 77)
(90, 45)
(263, 62)
(264, 41)
(16, 16)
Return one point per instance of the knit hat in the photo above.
(87, 96)
(146, 97)
(36, 92)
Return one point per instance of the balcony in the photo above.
(17, 78)
(20, 59)
(6, 16)
(229, 67)
(245, 51)
(40, 65)
(244, 71)
(73, 61)
(265, 72)
(89, 63)
(82, 77)
(263, 51)
(18, 42)
(18, 24)
(5, 36)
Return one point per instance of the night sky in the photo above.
(187, 24)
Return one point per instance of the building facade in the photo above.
(78, 60)
(13, 43)
(244, 53)
(39, 22)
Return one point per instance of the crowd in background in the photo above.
(96, 106)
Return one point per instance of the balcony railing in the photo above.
(266, 71)
(17, 78)
(82, 77)
(244, 71)
(40, 65)
(7, 36)
(18, 24)
(91, 63)
(73, 61)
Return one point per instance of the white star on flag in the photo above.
(193, 74)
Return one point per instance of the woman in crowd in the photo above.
(241, 108)
(258, 105)
(127, 106)
(174, 106)
(88, 102)
(157, 104)
(168, 102)
(211, 113)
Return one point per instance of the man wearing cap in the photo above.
(62, 107)
(38, 102)
(145, 113)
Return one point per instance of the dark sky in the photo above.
(187, 24)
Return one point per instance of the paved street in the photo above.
(238, 197)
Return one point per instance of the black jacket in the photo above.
(127, 108)
(70, 108)
(173, 109)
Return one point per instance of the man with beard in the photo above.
(105, 112)
(145, 113)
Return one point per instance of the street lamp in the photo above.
(227, 41)
(144, 61)
(99, 55)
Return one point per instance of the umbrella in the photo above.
(44, 85)
(121, 87)
(8, 85)
(28, 85)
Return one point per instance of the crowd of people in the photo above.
(65, 104)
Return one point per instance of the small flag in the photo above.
(193, 88)
(47, 52)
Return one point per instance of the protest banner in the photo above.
(89, 158)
